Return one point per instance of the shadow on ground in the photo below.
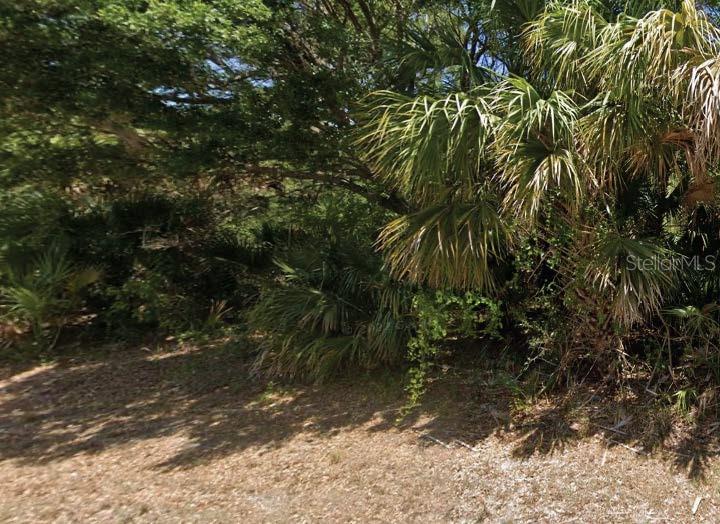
(88, 405)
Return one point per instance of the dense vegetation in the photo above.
(352, 184)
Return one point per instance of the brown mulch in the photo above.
(184, 436)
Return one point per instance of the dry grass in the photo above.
(184, 436)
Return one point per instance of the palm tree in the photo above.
(610, 143)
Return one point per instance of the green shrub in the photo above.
(45, 291)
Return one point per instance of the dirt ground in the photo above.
(185, 436)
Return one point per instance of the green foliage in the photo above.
(334, 311)
(589, 151)
(44, 291)
(421, 172)
(443, 315)
(451, 245)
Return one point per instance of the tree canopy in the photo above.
(356, 182)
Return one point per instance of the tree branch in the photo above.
(200, 100)
(391, 202)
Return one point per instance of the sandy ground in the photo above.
(184, 436)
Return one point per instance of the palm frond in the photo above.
(517, 12)
(561, 37)
(634, 53)
(434, 54)
(533, 176)
(421, 145)
(525, 114)
(447, 245)
(699, 88)
(638, 275)
(535, 147)
(328, 314)
(636, 135)
(697, 321)
(46, 289)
